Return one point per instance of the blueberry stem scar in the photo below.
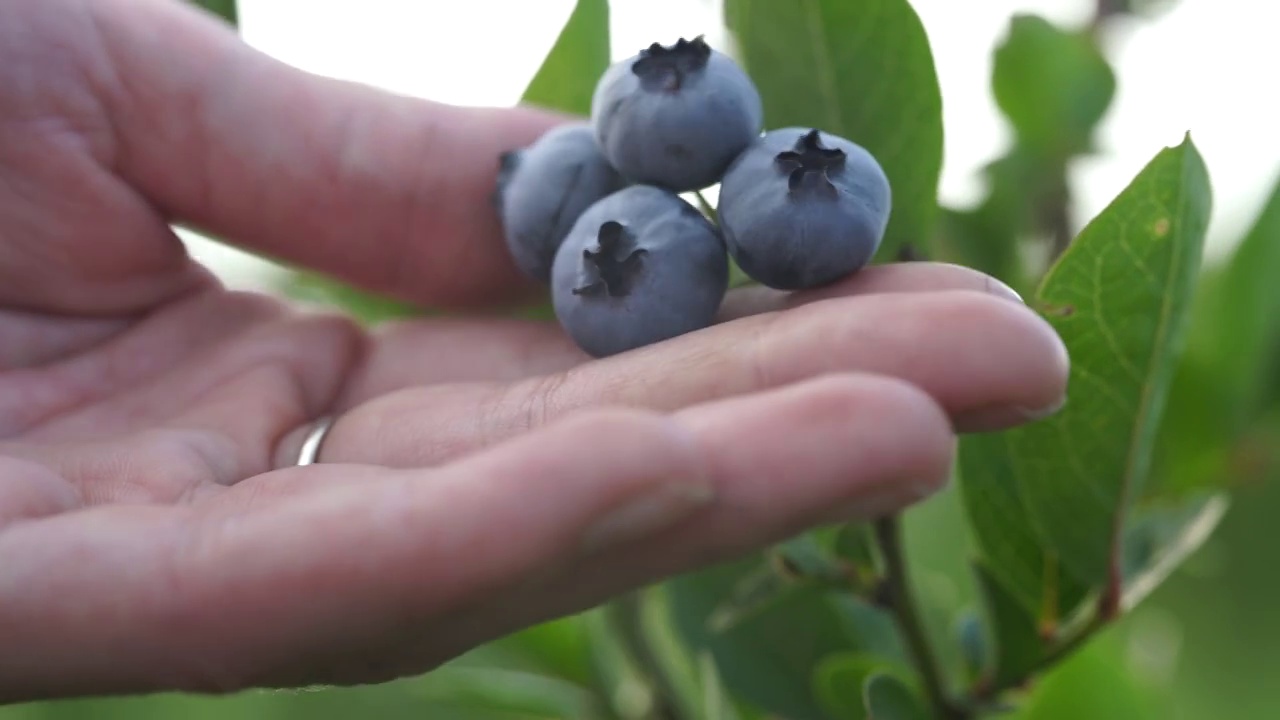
(615, 264)
(810, 160)
(665, 68)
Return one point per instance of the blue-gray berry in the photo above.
(640, 266)
(543, 188)
(675, 116)
(802, 208)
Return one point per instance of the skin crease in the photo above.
(153, 534)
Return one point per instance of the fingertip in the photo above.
(920, 449)
(1026, 368)
(1040, 371)
(848, 444)
(908, 453)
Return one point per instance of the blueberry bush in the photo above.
(1019, 592)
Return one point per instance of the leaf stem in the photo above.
(901, 603)
(1061, 650)
(624, 613)
(707, 210)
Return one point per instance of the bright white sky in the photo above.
(1205, 65)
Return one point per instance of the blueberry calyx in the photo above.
(615, 264)
(665, 67)
(810, 160)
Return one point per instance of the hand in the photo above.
(482, 474)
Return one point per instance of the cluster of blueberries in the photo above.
(593, 208)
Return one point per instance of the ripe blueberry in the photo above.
(801, 208)
(640, 266)
(675, 116)
(543, 188)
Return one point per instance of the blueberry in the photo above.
(675, 116)
(543, 188)
(640, 266)
(802, 208)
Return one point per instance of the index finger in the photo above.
(387, 192)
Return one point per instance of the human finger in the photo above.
(436, 350)
(384, 191)
(216, 596)
(988, 362)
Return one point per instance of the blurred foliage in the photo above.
(1074, 560)
(1053, 86)
(1226, 384)
(225, 9)
(565, 82)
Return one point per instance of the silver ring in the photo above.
(315, 436)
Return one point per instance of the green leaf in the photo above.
(767, 656)
(862, 70)
(838, 682)
(855, 544)
(508, 691)
(1016, 637)
(803, 556)
(1160, 538)
(557, 647)
(752, 592)
(1096, 683)
(1006, 539)
(617, 676)
(870, 629)
(889, 698)
(225, 9)
(1198, 436)
(447, 693)
(1053, 85)
(698, 692)
(812, 556)
(1119, 299)
(580, 55)
(716, 702)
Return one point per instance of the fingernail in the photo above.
(648, 514)
(996, 287)
(1000, 417)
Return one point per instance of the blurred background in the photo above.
(1196, 65)
(1204, 647)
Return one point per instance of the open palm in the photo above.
(482, 474)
